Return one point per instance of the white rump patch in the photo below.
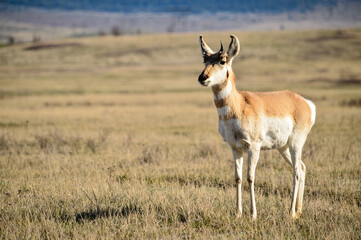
(313, 111)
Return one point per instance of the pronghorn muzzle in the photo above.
(202, 79)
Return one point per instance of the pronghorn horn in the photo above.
(204, 47)
(221, 50)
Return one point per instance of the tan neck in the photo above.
(228, 101)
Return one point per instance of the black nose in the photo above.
(202, 78)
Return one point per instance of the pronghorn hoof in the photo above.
(295, 216)
(298, 215)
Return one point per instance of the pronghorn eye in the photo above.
(222, 62)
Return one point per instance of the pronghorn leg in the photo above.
(301, 189)
(238, 163)
(253, 156)
(297, 178)
(285, 152)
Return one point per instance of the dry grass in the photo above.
(114, 138)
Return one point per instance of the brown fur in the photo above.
(280, 104)
(246, 104)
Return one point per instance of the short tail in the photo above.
(313, 111)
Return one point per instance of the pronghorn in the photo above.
(254, 121)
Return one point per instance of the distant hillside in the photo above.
(35, 20)
(243, 6)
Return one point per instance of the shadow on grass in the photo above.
(93, 214)
(191, 180)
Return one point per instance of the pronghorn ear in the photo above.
(206, 51)
(233, 49)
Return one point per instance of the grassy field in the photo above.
(113, 137)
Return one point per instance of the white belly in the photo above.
(275, 132)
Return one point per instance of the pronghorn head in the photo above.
(217, 65)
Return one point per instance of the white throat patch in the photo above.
(225, 91)
(223, 111)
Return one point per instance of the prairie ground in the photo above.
(113, 137)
